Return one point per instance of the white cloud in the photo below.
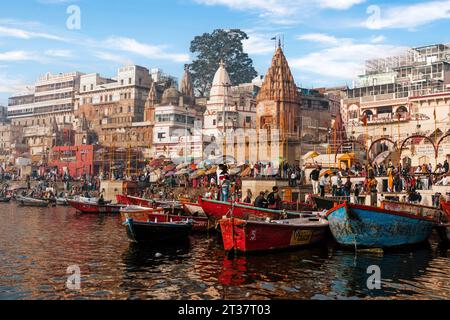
(59, 53)
(344, 61)
(147, 50)
(282, 11)
(319, 37)
(408, 16)
(9, 85)
(378, 39)
(339, 4)
(24, 34)
(107, 56)
(259, 43)
(16, 56)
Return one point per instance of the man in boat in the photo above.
(274, 199)
(101, 200)
(248, 198)
(261, 201)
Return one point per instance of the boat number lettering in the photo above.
(253, 235)
(301, 237)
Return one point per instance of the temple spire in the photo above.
(152, 98)
(279, 84)
(187, 89)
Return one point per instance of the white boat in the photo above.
(31, 202)
(62, 202)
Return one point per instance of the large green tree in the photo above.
(210, 48)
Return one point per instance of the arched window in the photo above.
(353, 112)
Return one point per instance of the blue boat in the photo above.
(371, 227)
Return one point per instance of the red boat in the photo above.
(141, 214)
(216, 210)
(253, 236)
(175, 206)
(86, 207)
(446, 221)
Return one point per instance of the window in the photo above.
(214, 122)
(140, 81)
(248, 119)
(161, 135)
(84, 88)
(129, 80)
(92, 87)
(121, 82)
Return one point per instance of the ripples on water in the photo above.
(37, 246)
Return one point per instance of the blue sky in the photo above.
(326, 41)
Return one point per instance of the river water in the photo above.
(38, 245)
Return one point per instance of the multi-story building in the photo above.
(10, 135)
(401, 97)
(51, 98)
(3, 114)
(177, 122)
(113, 110)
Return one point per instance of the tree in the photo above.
(210, 48)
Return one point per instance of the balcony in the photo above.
(388, 118)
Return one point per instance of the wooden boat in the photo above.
(433, 213)
(62, 202)
(446, 220)
(151, 232)
(327, 203)
(31, 202)
(193, 209)
(5, 199)
(371, 227)
(175, 206)
(142, 214)
(216, 210)
(253, 236)
(94, 208)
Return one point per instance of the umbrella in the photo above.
(329, 172)
(182, 172)
(169, 168)
(213, 170)
(225, 160)
(246, 172)
(156, 163)
(182, 166)
(170, 174)
(234, 171)
(198, 173)
(311, 155)
(382, 157)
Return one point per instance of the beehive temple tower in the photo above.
(278, 105)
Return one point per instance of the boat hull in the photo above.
(253, 236)
(199, 224)
(30, 202)
(326, 203)
(92, 208)
(216, 210)
(193, 209)
(362, 226)
(5, 200)
(174, 207)
(148, 232)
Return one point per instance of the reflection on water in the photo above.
(37, 245)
